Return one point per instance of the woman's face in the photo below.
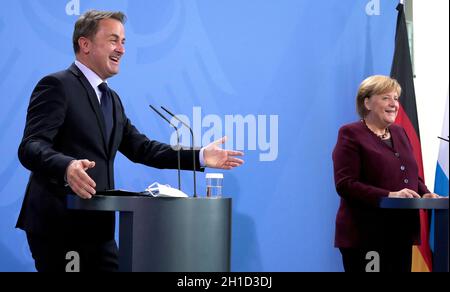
(383, 108)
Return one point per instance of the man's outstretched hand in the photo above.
(78, 180)
(216, 157)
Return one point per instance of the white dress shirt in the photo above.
(92, 77)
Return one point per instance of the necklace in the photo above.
(382, 136)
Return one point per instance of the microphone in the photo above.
(178, 143)
(193, 144)
(446, 140)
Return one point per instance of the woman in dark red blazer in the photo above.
(373, 158)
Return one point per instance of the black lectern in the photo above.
(168, 234)
(440, 206)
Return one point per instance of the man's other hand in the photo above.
(216, 157)
(78, 180)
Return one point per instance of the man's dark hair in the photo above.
(87, 25)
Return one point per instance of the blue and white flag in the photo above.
(441, 180)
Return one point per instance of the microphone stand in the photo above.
(193, 144)
(178, 144)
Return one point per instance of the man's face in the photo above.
(106, 48)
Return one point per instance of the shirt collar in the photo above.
(91, 76)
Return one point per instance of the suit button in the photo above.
(397, 154)
(402, 167)
(405, 180)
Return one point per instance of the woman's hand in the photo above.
(431, 196)
(405, 193)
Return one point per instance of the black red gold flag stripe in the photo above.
(402, 71)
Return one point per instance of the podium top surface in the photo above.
(407, 203)
(138, 202)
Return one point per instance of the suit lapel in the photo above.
(113, 145)
(394, 137)
(93, 101)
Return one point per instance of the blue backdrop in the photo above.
(298, 61)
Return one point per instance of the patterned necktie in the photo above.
(107, 109)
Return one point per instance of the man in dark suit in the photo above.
(75, 126)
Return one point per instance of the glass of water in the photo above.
(214, 184)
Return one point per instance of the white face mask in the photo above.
(159, 190)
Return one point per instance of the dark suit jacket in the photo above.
(366, 170)
(65, 122)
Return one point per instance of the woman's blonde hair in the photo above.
(374, 85)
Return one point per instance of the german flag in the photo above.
(407, 117)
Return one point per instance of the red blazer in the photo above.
(366, 170)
